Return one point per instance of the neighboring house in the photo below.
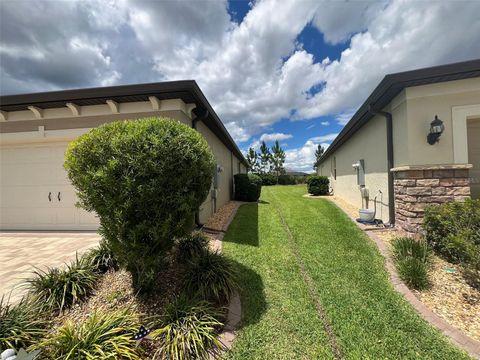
(35, 129)
(384, 147)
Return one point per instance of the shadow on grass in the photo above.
(237, 232)
(252, 295)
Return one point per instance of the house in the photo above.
(414, 142)
(35, 193)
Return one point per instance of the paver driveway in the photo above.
(21, 252)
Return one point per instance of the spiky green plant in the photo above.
(412, 260)
(188, 331)
(102, 258)
(211, 276)
(58, 289)
(21, 324)
(191, 246)
(101, 336)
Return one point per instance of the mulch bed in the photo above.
(220, 219)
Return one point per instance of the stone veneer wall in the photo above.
(417, 188)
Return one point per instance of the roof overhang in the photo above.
(393, 84)
(186, 90)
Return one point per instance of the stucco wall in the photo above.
(423, 103)
(369, 144)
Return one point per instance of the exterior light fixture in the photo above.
(436, 129)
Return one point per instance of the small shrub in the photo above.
(453, 231)
(21, 325)
(413, 272)
(247, 187)
(191, 246)
(145, 179)
(317, 185)
(188, 331)
(58, 289)
(101, 258)
(211, 276)
(268, 179)
(286, 180)
(101, 336)
(412, 259)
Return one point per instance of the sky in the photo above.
(293, 71)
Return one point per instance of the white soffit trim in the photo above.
(460, 114)
(41, 135)
(74, 108)
(37, 112)
(114, 107)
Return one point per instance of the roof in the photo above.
(187, 90)
(392, 85)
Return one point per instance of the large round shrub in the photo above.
(317, 185)
(247, 187)
(145, 179)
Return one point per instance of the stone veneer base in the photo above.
(417, 187)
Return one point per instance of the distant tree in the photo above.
(265, 158)
(277, 159)
(318, 154)
(252, 159)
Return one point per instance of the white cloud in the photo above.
(344, 117)
(323, 138)
(325, 123)
(269, 138)
(303, 158)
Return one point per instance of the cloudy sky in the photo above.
(288, 70)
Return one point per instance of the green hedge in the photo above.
(247, 187)
(286, 180)
(144, 179)
(268, 179)
(317, 185)
(453, 230)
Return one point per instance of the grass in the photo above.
(369, 318)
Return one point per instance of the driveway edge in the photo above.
(471, 346)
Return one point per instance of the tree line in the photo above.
(267, 160)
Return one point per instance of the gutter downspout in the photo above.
(194, 126)
(391, 194)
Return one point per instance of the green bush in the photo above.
(20, 325)
(286, 180)
(188, 330)
(453, 230)
(58, 289)
(268, 179)
(412, 259)
(145, 179)
(210, 276)
(318, 185)
(101, 336)
(191, 246)
(101, 258)
(247, 187)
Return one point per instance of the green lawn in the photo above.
(279, 319)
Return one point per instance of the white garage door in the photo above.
(35, 193)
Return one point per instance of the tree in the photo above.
(252, 159)
(277, 159)
(145, 179)
(265, 158)
(318, 154)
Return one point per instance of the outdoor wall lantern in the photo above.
(436, 129)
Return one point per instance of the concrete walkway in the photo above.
(21, 253)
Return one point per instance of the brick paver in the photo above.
(21, 253)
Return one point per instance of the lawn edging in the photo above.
(234, 315)
(471, 346)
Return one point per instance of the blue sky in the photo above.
(289, 70)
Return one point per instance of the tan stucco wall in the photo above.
(423, 103)
(369, 144)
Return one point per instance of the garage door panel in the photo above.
(28, 174)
